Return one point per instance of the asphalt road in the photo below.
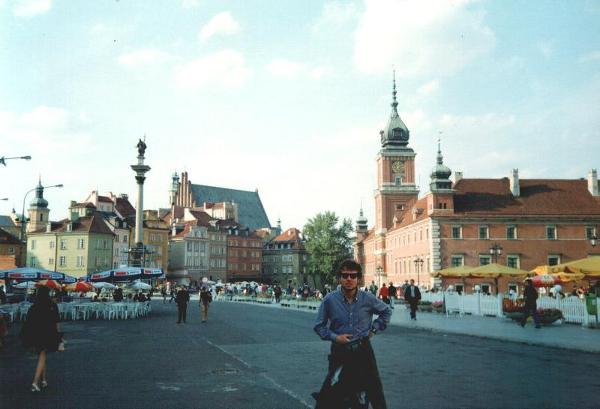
(249, 356)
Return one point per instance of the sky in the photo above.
(288, 96)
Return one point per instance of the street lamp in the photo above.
(23, 218)
(379, 270)
(495, 251)
(4, 159)
(418, 266)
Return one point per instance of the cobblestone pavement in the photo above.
(248, 356)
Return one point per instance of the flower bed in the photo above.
(425, 306)
(546, 316)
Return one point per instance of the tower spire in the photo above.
(394, 101)
(440, 158)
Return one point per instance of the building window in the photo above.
(63, 244)
(553, 259)
(484, 233)
(51, 244)
(11, 250)
(32, 262)
(512, 260)
(62, 261)
(104, 244)
(124, 238)
(457, 260)
(51, 262)
(511, 232)
(484, 259)
(486, 289)
(32, 244)
(79, 261)
(590, 232)
(551, 232)
(80, 243)
(456, 232)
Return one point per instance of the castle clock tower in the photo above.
(396, 187)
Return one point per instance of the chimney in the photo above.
(69, 226)
(593, 182)
(515, 188)
(457, 177)
(48, 227)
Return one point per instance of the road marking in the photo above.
(267, 377)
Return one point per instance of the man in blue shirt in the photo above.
(346, 319)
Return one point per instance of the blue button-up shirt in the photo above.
(336, 316)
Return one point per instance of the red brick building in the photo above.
(244, 252)
(11, 249)
(529, 222)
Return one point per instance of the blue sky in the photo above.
(287, 97)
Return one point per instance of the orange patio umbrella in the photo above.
(55, 285)
(80, 287)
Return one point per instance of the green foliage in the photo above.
(328, 242)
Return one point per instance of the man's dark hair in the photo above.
(350, 265)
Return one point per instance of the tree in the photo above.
(328, 243)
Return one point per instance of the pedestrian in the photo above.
(346, 319)
(384, 294)
(205, 300)
(2, 295)
(40, 331)
(392, 294)
(373, 288)
(412, 295)
(530, 295)
(277, 292)
(182, 299)
(163, 292)
(173, 293)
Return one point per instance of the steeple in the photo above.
(361, 222)
(38, 201)
(395, 134)
(440, 174)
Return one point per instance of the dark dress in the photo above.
(39, 330)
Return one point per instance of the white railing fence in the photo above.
(572, 308)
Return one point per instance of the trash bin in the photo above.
(591, 304)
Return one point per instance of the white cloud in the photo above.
(30, 8)
(143, 57)
(336, 14)
(429, 88)
(190, 4)
(227, 68)
(283, 68)
(422, 38)
(591, 56)
(222, 23)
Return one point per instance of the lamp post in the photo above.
(495, 251)
(418, 266)
(379, 271)
(3, 159)
(23, 218)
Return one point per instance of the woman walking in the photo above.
(40, 332)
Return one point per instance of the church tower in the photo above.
(396, 187)
(442, 194)
(38, 210)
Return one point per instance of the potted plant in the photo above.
(425, 306)
(437, 306)
(548, 316)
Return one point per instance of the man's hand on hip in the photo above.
(343, 338)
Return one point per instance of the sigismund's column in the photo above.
(140, 170)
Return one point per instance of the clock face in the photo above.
(398, 167)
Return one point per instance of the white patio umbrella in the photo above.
(138, 285)
(25, 284)
(104, 284)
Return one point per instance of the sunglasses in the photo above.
(349, 276)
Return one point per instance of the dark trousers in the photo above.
(359, 375)
(530, 310)
(181, 312)
(413, 308)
